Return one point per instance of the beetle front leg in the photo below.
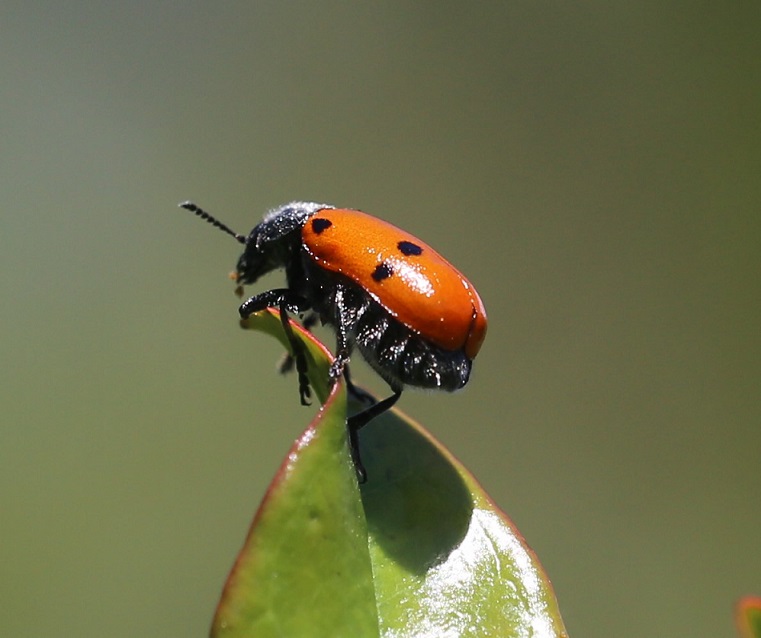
(274, 299)
(285, 301)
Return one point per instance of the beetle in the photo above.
(411, 314)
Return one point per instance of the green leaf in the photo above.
(418, 550)
(748, 616)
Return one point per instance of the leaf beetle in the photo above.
(411, 314)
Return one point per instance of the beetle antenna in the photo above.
(214, 222)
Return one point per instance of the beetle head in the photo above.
(275, 240)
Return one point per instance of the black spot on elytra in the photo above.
(407, 248)
(320, 224)
(382, 271)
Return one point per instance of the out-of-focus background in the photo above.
(593, 168)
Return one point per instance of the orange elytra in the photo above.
(413, 282)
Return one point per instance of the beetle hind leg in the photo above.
(356, 422)
(358, 393)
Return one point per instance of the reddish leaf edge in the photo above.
(748, 616)
(268, 321)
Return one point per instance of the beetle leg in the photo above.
(285, 301)
(273, 299)
(358, 421)
(298, 355)
(343, 348)
(285, 365)
(360, 394)
(310, 321)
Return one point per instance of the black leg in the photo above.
(310, 321)
(286, 363)
(273, 299)
(358, 393)
(285, 301)
(343, 348)
(358, 421)
(298, 354)
(355, 458)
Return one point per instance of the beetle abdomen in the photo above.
(397, 353)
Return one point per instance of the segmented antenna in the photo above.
(214, 222)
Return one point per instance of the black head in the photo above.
(272, 243)
(275, 240)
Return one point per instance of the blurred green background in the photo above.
(593, 168)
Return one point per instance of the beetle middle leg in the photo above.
(285, 365)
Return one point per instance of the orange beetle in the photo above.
(414, 317)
